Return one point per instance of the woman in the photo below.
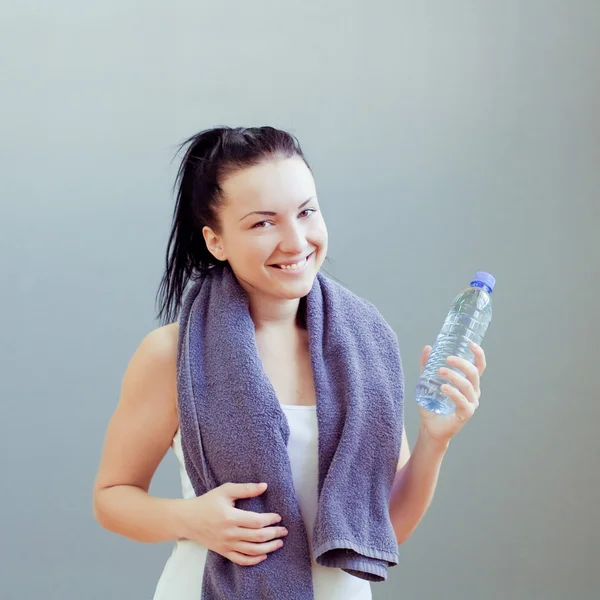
(247, 199)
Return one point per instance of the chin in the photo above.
(292, 290)
(298, 291)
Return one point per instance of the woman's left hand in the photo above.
(464, 391)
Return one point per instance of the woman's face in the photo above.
(271, 231)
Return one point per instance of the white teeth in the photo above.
(295, 266)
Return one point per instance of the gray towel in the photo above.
(234, 430)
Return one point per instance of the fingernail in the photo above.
(451, 359)
(443, 371)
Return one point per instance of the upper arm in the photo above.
(145, 420)
(404, 451)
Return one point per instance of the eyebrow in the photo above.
(270, 213)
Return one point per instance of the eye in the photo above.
(307, 212)
(261, 225)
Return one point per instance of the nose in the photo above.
(293, 239)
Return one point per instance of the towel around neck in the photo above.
(234, 430)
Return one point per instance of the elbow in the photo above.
(403, 531)
(403, 537)
(99, 510)
(96, 511)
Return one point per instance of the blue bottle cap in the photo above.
(484, 278)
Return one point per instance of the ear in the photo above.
(213, 243)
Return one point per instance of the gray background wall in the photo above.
(446, 137)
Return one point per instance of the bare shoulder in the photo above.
(160, 344)
(151, 375)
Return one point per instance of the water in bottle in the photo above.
(467, 321)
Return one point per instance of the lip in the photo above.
(293, 271)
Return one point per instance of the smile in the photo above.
(296, 267)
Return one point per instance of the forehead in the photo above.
(275, 183)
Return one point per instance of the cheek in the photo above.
(250, 249)
(319, 234)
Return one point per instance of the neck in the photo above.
(273, 313)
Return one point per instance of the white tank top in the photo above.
(182, 576)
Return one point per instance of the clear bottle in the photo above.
(466, 322)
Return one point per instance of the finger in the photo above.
(266, 534)
(464, 409)
(425, 356)
(480, 360)
(250, 549)
(243, 560)
(244, 490)
(468, 368)
(254, 520)
(458, 380)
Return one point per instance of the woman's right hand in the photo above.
(242, 536)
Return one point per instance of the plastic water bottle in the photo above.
(467, 322)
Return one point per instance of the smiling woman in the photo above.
(267, 334)
(266, 253)
(246, 203)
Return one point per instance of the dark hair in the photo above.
(211, 156)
